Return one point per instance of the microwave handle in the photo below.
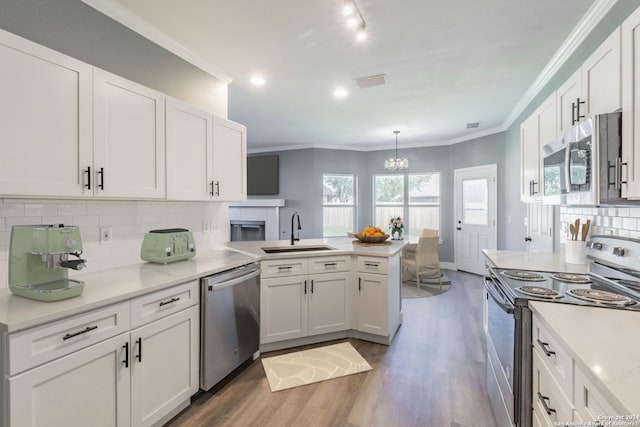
(567, 167)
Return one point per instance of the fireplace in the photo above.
(245, 230)
(253, 213)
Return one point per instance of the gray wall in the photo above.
(301, 181)
(78, 30)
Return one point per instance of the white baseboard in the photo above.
(448, 265)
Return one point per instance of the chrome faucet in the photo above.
(293, 238)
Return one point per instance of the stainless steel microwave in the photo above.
(584, 167)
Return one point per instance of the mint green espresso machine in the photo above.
(39, 261)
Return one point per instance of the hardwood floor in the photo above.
(432, 374)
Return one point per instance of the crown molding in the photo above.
(594, 15)
(124, 16)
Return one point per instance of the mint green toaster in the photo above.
(168, 245)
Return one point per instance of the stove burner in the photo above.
(528, 276)
(602, 297)
(572, 278)
(539, 291)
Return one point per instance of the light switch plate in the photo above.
(105, 235)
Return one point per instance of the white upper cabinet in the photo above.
(229, 160)
(594, 88)
(567, 96)
(631, 106)
(189, 152)
(45, 120)
(601, 77)
(129, 142)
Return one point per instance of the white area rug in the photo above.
(312, 366)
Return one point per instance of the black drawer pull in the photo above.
(305, 287)
(544, 345)
(75, 334)
(543, 400)
(330, 264)
(285, 267)
(169, 302)
(139, 355)
(367, 264)
(212, 193)
(311, 286)
(359, 284)
(88, 172)
(126, 354)
(101, 173)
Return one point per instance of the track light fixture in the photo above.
(355, 20)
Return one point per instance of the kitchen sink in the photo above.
(288, 249)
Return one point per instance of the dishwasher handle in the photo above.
(235, 281)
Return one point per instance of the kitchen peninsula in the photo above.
(324, 289)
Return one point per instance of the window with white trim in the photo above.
(338, 204)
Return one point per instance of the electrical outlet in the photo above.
(105, 235)
(206, 226)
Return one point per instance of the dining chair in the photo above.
(425, 262)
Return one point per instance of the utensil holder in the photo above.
(575, 252)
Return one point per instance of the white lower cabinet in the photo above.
(563, 394)
(372, 303)
(97, 371)
(90, 387)
(299, 306)
(164, 366)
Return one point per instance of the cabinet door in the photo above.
(550, 405)
(164, 366)
(87, 388)
(45, 120)
(566, 97)
(189, 152)
(129, 145)
(601, 77)
(631, 105)
(328, 303)
(283, 308)
(229, 160)
(530, 152)
(372, 304)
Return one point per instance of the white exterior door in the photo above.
(540, 223)
(476, 207)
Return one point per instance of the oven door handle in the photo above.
(498, 295)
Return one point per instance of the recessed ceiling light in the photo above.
(340, 93)
(352, 22)
(348, 8)
(257, 80)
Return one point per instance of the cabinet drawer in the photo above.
(42, 344)
(550, 405)
(159, 304)
(329, 264)
(367, 264)
(590, 404)
(554, 356)
(284, 267)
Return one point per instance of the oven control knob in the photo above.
(618, 251)
(595, 245)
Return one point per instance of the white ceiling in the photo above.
(447, 62)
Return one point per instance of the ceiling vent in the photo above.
(473, 125)
(368, 81)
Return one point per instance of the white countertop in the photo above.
(342, 245)
(534, 261)
(605, 342)
(115, 285)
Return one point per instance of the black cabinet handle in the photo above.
(578, 115)
(101, 173)
(139, 355)
(543, 400)
(285, 267)
(126, 354)
(217, 188)
(162, 303)
(367, 264)
(211, 192)
(84, 331)
(533, 188)
(305, 287)
(573, 113)
(544, 345)
(312, 286)
(359, 284)
(88, 172)
(330, 264)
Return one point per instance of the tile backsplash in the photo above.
(128, 220)
(606, 220)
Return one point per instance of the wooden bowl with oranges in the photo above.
(372, 234)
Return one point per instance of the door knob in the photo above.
(458, 228)
(527, 239)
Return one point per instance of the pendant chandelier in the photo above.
(396, 163)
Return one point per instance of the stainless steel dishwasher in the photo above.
(229, 321)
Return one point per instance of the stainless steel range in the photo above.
(613, 282)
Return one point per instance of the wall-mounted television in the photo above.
(263, 175)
